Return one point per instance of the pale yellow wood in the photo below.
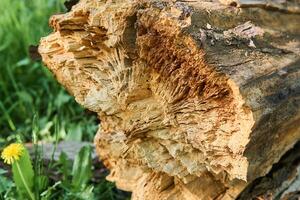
(196, 99)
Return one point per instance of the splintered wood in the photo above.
(196, 99)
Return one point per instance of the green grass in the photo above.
(27, 88)
(61, 179)
(33, 106)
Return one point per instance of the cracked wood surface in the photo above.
(196, 99)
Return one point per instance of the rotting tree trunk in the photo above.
(196, 99)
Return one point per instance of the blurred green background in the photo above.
(33, 103)
(27, 88)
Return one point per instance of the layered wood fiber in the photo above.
(196, 99)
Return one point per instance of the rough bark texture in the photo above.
(282, 182)
(196, 99)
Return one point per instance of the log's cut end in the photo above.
(173, 125)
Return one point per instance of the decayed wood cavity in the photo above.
(172, 123)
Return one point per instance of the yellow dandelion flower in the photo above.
(12, 153)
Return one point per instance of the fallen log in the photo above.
(196, 99)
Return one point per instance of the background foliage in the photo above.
(34, 107)
(26, 87)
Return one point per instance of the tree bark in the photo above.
(197, 99)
